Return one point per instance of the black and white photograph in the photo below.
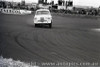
(49, 33)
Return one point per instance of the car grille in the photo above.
(42, 19)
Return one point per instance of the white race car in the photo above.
(43, 16)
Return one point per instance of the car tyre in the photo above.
(36, 25)
(50, 25)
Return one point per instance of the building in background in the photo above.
(44, 4)
(31, 6)
(62, 4)
(69, 5)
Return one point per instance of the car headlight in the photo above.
(49, 18)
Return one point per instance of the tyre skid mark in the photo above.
(79, 52)
(53, 45)
(17, 41)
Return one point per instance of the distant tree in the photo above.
(59, 2)
(4, 5)
(0, 3)
(32, 9)
(19, 5)
(10, 5)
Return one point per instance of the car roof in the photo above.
(42, 10)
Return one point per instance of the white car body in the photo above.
(43, 16)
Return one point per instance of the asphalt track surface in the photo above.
(71, 39)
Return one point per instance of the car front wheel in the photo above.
(50, 25)
(36, 25)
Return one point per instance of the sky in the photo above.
(94, 3)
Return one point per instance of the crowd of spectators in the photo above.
(80, 11)
(91, 11)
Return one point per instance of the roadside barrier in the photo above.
(25, 12)
(14, 11)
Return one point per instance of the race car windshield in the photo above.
(42, 13)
